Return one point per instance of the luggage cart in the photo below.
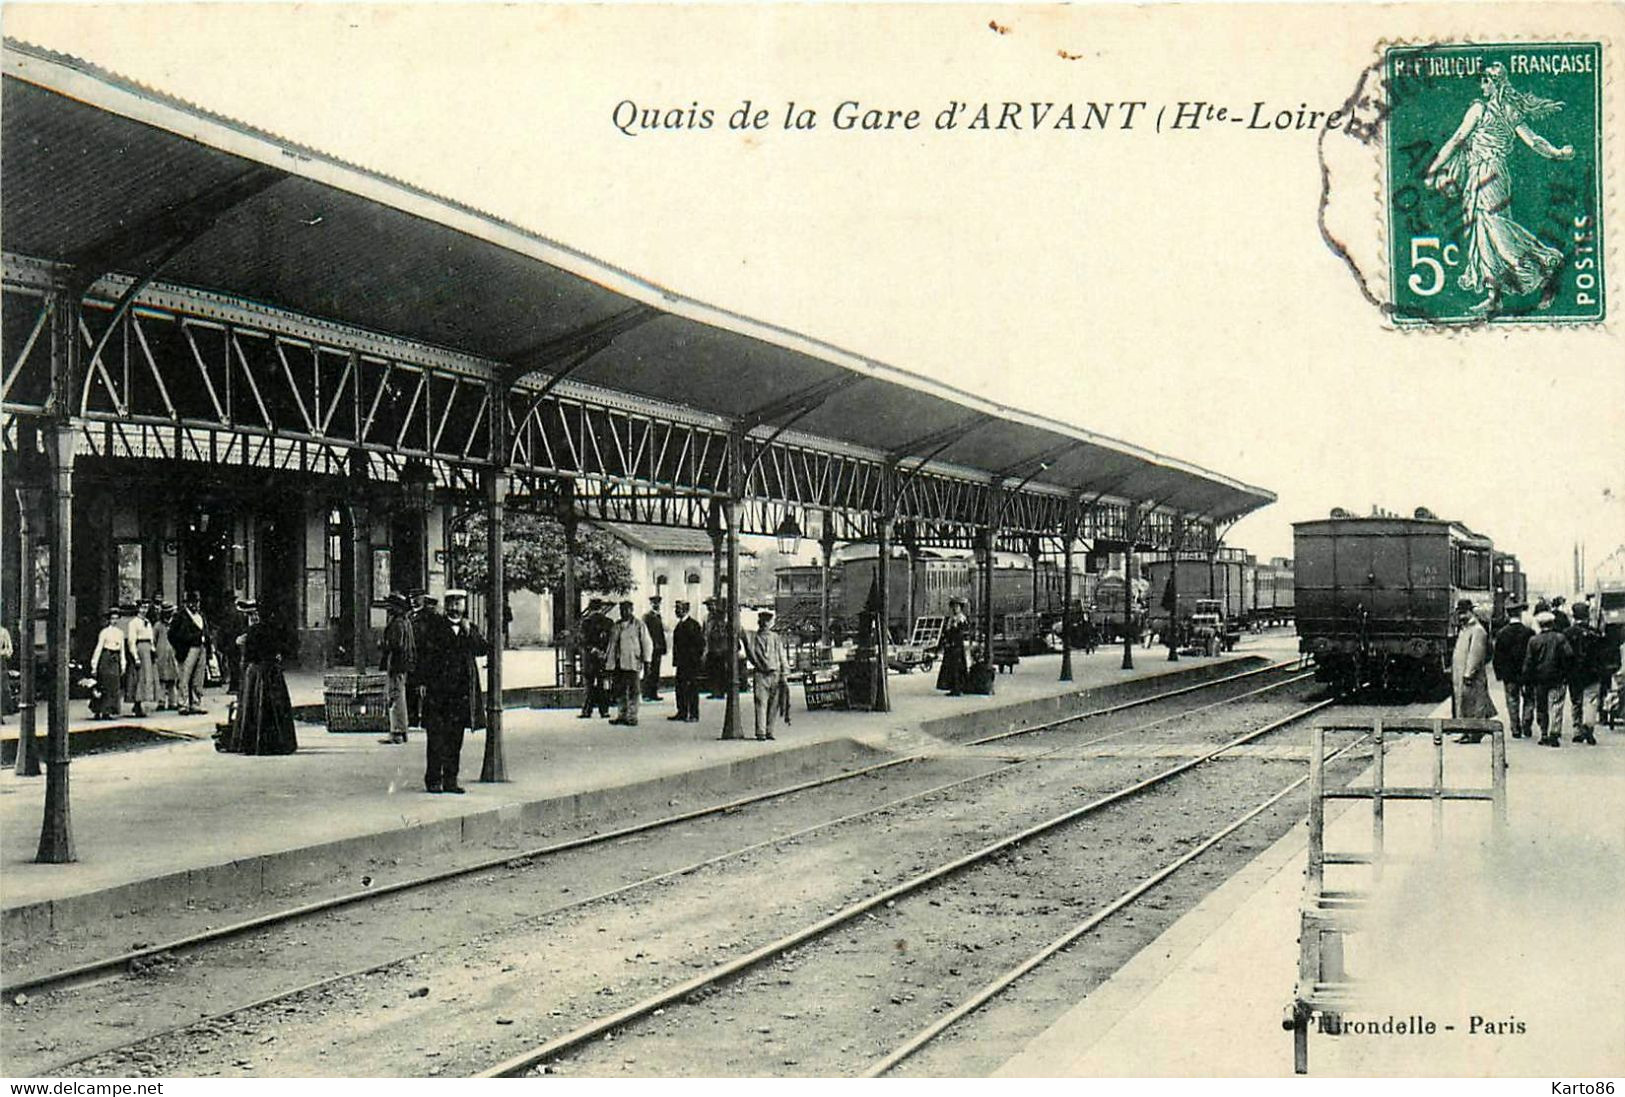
(1327, 915)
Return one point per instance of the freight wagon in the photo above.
(1227, 579)
(1376, 596)
(934, 580)
(1273, 593)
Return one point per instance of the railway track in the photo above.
(80, 974)
(674, 995)
(119, 964)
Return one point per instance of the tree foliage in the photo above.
(533, 557)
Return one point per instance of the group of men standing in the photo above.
(434, 679)
(1561, 665)
(621, 657)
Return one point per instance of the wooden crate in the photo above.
(356, 702)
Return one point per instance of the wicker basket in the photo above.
(356, 702)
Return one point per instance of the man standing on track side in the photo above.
(1467, 671)
(687, 659)
(399, 654)
(657, 649)
(1546, 665)
(595, 629)
(769, 664)
(1585, 642)
(1511, 644)
(446, 703)
(627, 657)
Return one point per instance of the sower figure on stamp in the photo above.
(688, 660)
(1502, 256)
(1511, 644)
(769, 664)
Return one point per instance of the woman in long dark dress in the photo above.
(264, 723)
(951, 676)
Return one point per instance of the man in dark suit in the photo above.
(423, 604)
(444, 656)
(657, 641)
(189, 636)
(594, 639)
(688, 660)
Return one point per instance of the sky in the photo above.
(1169, 289)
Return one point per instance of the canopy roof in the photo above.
(98, 170)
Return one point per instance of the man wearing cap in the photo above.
(951, 675)
(398, 655)
(233, 624)
(423, 604)
(189, 636)
(470, 645)
(687, 659)
(1586, 644)
(657, 649)
(769, 664)
(1560, 616)
(594, 637)
(716, 647)
(1470, 683)
(626, 657)
(1546, 666)
(446, 702)
(1511, 644)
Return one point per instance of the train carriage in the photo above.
(1376, 596)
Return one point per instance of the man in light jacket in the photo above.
(1469, 676)
(625, 659)
(769, 664)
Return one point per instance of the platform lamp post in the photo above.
(1171, 594)
(1069, 534)
(56, 845)
(31, 498)
(417, 492)
(826, 543)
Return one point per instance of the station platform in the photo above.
(178, 822)
(1510, 950)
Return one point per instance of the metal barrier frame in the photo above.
(1323, 986)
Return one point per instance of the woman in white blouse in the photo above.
(142, 679)
(111, 646)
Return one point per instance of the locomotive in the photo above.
(1376, 595)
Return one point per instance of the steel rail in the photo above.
(644, 882)
(594, 1029)
(991, 990)
(110, 967)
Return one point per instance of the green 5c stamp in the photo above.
(1494, 192)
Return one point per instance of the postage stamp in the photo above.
(1494, 195)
